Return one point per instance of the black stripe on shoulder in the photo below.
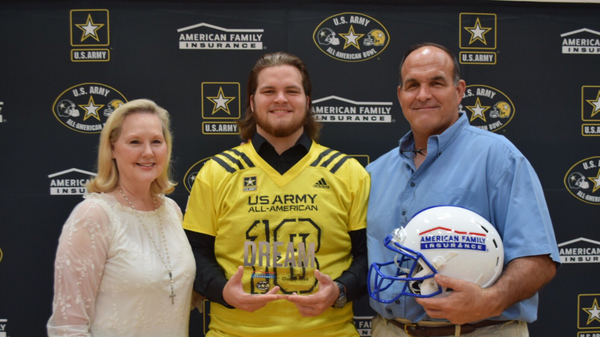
(332, 158)
(242, 155)
(223, 163)
(235, 157)
(321, 156)
(233, 160)
(339, 164)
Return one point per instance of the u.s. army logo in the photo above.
(86, 106)
(221, 101)
(90, 29)
(487, 107)
(477, 34)
(588, 312)
(590, 110)
(351, 37)
(583, 180)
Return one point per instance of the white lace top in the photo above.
(109, 279)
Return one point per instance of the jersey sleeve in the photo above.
(200, 215)
(360, 184)
(80, 258)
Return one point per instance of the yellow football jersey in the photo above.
(280, 228)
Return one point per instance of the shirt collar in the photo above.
(259, 141)
(444, 140)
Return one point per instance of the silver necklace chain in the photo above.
(166, 262)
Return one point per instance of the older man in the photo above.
(445, 161)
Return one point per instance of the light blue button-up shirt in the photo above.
(469, 167)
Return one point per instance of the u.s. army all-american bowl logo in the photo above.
(85, 107)
(487, 107)
(192, 172)
(583, 180)
(351, 37)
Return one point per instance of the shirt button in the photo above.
(403, 212)
(397, 301)
(412, 184)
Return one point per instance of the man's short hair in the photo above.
(456, 72)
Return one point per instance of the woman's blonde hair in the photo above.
(108, 173)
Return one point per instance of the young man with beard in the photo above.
(277, 224)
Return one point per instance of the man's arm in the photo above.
(210, 278)
(355, 277)
(468, 302)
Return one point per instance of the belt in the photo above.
(450, 330)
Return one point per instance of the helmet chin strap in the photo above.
(441, 260)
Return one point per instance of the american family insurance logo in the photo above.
(204, 36)
(581, 41)
(342, 110)
(580, 250)
(69, 182)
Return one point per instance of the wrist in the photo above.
(342, 299)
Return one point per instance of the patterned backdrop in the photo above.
(532, 73)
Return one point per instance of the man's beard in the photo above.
(280, 131)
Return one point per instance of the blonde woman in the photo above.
(124, 266)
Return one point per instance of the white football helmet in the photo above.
(327, 36)
(578, 181)
(66, 108)
(449, 240)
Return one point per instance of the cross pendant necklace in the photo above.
(172, 291)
